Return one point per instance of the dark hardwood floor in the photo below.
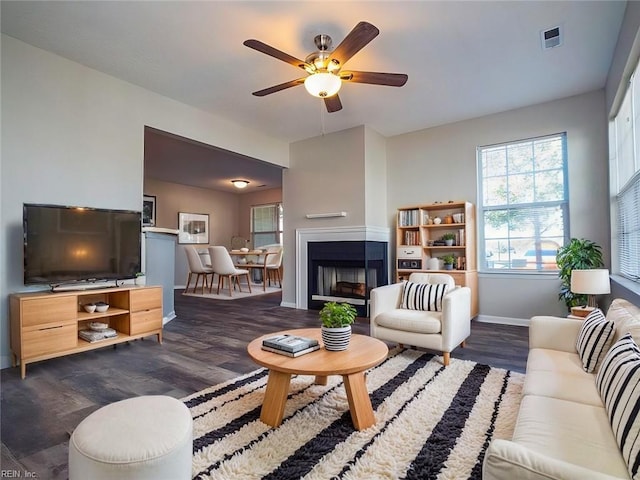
(203, 346)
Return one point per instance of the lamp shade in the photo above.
(322, 84)
(590, 282)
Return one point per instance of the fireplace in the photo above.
(345, 271)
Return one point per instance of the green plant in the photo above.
(578, 254)
(448, 236)
(335, 315)
(139, 274)
(448, 259)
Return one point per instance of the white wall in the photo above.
(375, 178)
(74, 136)
(439, 164)
(326, 174)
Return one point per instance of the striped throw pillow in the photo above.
(618, 382)
(594, 340)
(423, 296)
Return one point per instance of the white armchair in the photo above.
(435, 330)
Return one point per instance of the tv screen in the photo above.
(68, 244)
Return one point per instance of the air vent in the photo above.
(551, 38)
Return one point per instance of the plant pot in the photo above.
(141, 281)
(336, 339)
(448, 267)
(448, 242)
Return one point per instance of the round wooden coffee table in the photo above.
(363, 353)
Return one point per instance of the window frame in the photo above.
(562, 204)
(277, 221)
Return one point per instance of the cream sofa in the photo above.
(562, 430)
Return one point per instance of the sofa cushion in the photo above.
(554, 361)
(579, 388)
(594, 340)
(416, 321)
(423, 296)
(619, 383)
(572, 432)
(626, 317)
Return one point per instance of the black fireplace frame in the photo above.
(364, 254)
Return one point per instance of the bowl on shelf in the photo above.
(89, 307)
(102, 307)
(98, 326)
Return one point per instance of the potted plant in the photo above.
(578, 254)
(448, 238)
(336, 325)
(140, 279)
(448, 260)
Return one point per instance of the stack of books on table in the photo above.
(290, 345)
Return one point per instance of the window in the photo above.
(266, 224)
(523, 213)
(624, 139)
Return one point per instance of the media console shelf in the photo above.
(45, 325)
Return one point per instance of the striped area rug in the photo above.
(431, 422)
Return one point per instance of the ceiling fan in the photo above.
(324, 67)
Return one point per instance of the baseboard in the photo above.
(520, 322)
(288, 304)
(169, 317)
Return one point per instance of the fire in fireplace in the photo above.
(345, 272)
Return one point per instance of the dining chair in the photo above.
(222, 264)
(273, 266)
(196, 266)
(267, 263)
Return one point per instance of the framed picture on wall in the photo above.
(148, 211)
(193, 228)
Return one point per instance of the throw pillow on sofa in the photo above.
(423, 296)
(594, 340)
(618, 382)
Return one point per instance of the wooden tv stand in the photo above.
(45, 325)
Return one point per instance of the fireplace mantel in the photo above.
(336, 234)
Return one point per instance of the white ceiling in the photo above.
(463, 59)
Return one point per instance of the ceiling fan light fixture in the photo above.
(322, 85)
(240, 183)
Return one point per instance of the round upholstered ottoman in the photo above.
(148, 437)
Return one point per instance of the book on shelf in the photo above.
(289, 343)
(313, 348)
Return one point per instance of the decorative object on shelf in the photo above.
(148, 211)
(102, 307)
(89, 307)
(98, 326)
(336, 325)
(141, 279)
(458, 217)
(448, 219)
(437, 221)
(193, 228)
(578, 254)
(449, 261)
(591, 282)
(448, 238)
(433, 264)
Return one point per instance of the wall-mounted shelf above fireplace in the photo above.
(326, 215)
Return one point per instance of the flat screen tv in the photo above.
(63, 244)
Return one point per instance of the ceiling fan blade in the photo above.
(375, 78)
(333, 103)
(357, 38)
(275, 53)
(277, 88)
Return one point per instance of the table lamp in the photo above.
(590, 282)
